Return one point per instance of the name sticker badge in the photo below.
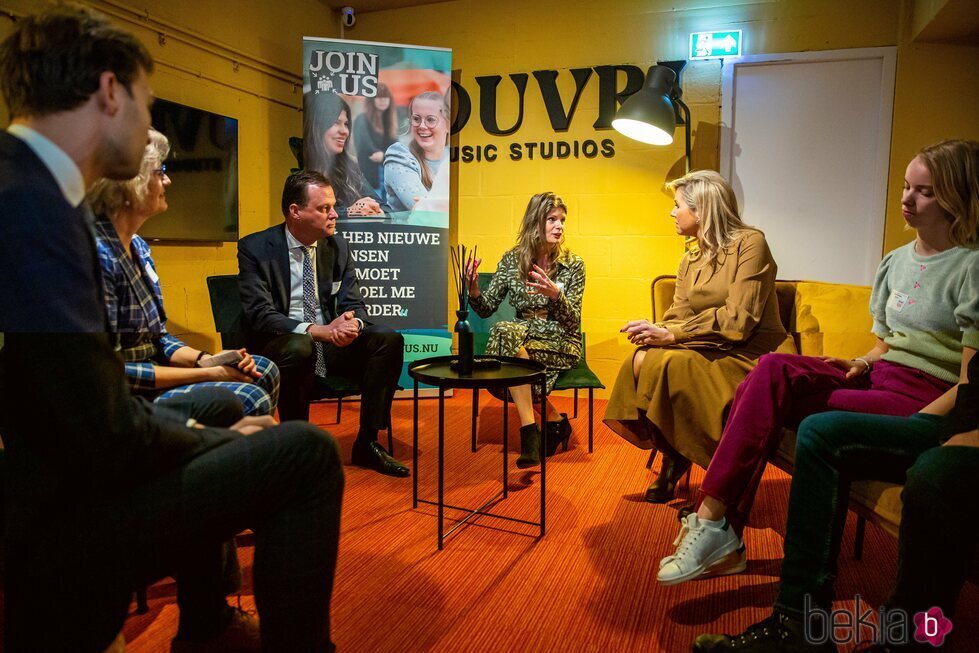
(897, 301)
(151, 273)
(336, 288)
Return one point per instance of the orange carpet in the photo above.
(588, 585)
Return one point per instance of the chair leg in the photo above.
(574, 415)
(652, 458)
(475, 403)
(142, 606)
(591, 419)
(686, 479)
(390, 437)
(858, 538)
(339, 408)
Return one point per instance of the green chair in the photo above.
(228, 314)
(578, 378)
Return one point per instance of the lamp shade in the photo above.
(648, 115)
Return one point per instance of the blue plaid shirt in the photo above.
(134, 304)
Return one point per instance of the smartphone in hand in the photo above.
(224, 358)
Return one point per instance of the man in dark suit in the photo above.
(102, 490)
(304, 310)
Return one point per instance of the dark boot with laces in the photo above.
(776, 634)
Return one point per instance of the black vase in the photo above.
(465, 335)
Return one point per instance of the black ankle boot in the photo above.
(775, 634)
(557, 433)
(529, 446)
(663, 489)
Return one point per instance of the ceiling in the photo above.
(364, 6)
(946, 21)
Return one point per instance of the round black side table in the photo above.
(511, 372)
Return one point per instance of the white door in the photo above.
(805, 141)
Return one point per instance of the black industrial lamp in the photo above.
(649, 115)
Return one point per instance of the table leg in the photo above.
(506, 445)
(475, 403)
(591, 418)
(543, 457)
(441, 461)
(414, 454)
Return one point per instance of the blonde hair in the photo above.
(414, 147)
(711, 197)
(531, 238)
(108, 196)
(954, 169)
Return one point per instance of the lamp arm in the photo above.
(686, 126)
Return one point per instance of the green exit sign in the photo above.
(711, 45)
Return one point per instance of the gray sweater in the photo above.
(926, 308)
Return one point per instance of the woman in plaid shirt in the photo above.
(158, 364)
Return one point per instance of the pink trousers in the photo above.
(780, 392)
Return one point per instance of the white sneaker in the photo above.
(733, 563)
(702, 551)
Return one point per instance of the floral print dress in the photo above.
(549, 329)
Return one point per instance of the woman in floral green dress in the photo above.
(545, 283)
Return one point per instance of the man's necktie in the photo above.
(309, 305)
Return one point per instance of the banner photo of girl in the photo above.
(376, 121)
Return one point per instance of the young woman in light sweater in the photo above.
(410, 170)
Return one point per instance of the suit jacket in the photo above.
(71, 428)
(264, 283)
(43, 289)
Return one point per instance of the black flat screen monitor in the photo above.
(203, 169)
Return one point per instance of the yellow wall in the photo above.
(619, 217)
(935, 97)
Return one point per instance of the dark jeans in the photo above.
(373, 361)
(285, 483)
(218, 407)
(938, 534)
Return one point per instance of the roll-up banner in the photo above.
(376, 119)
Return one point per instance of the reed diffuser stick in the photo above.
(462, 260)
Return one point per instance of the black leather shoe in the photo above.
(558, 432)
(372, 455)
(663, 489)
